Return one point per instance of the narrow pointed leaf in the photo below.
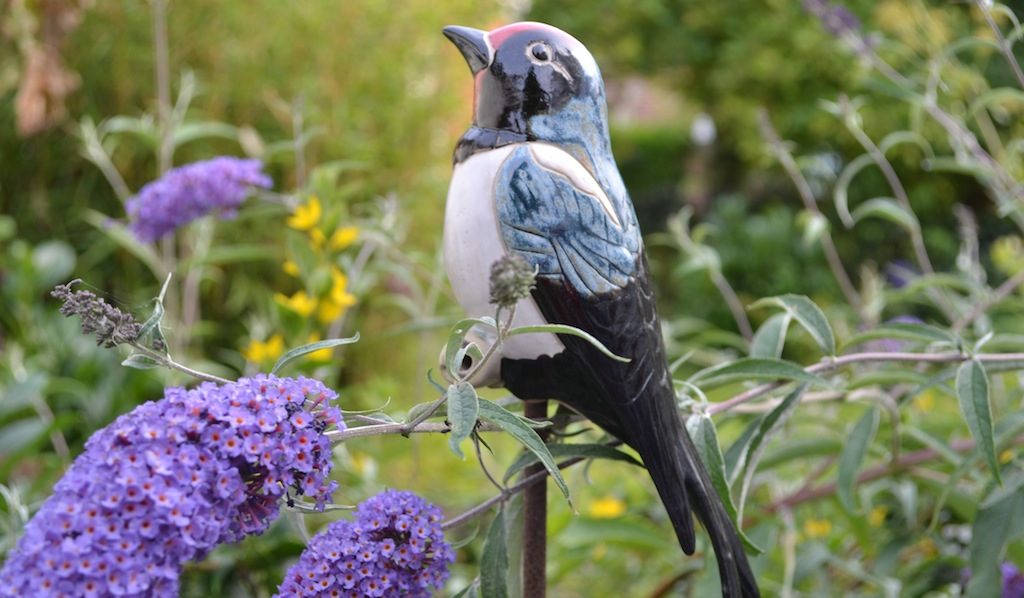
(972, 390)
(770, 338)
(570, 330)
(999, 520)
(764, 427)
(457, 335)
(494, 560)
(310, 348)
(754, 368)
(924, 333)
(886, 208)
(522, 432)
(140, 362)
(808, 315)
(568, 451)
(705, 438)
(854, 451)
(463, 406)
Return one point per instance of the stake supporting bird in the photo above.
(534, 176)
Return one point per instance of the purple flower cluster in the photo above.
(394, 547)
(183, 194)
(168, 481)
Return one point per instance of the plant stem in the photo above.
(831, 363)
(883, 164)
(511, 491)
(908, 461)
(169, 363)
(1001, 292)
(734, 303)
(535, 518)
(785, 158)
(1004, 46)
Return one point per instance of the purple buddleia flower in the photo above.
(835, 18)
(169, 481)
(393, 547)
(216, 186)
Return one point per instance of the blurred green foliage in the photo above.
(382, 98)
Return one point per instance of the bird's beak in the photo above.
(473, 45)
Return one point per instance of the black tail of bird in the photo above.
(684, 484)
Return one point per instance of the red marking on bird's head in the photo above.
(499, 35)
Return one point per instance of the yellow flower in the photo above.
(300, 303)
(306, 215)
(608, 507)
(317, 238)
(877, 515)
(817, 528)
(261, 351)
(320, 355)
(339, 294)
(329, 311)
(1008, 254)
(343, 237)
(1006, 456)
(290, 268)
(926, 546)
(925, 401)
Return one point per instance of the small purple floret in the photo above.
(393, 547)
(169, 481)
(216, 186)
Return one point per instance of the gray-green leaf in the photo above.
(568, 451)
(808, 315)
(521, 431)
(705, 438)
(570, 330)
(972, 390)
(852, 456)
(770, 338)
(310, 348)
(494, 560)
(463, 406)
(754, 368)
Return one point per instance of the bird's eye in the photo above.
(539, 52)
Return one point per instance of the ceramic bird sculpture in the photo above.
(534, 176)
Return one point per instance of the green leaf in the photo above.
(754, 368)
(310, 348)
(200, 130)
(763, 429)
(151, 334)
(570, 330)
(808, 315)
(972, 390)
(842, 188)
(20, 434)
(455, 338)
(705, 438)
(886, 208)
(568, 451)
(996, 524)
(770, 338)
(494, 560)
(140, 362)
(736, 455)
(521, 431)
(905, 331)
(897, 137)
(854, 451)
(463, 406)
(999, 95)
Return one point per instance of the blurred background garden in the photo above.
(354, 109)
